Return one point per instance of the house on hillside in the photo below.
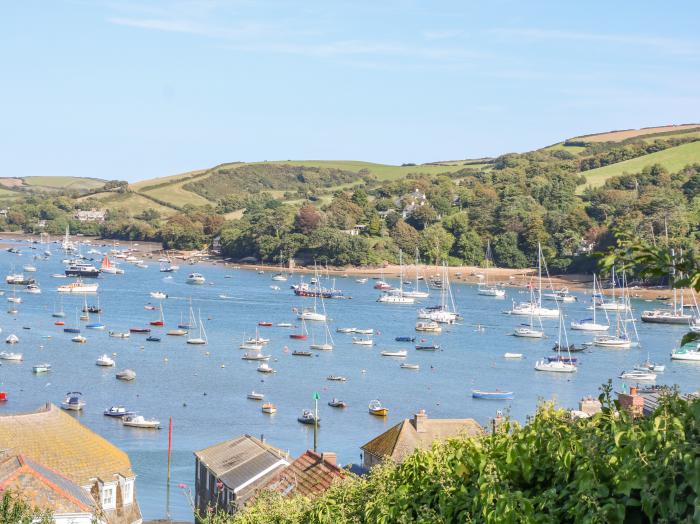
(47, 490)
(411, 201)
(355, 230)
(229, 473)
(420, 432)
(92, 215)
(51, 444)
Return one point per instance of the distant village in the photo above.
(55, 463)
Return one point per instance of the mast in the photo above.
(539, 275)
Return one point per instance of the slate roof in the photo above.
(308, 475)
(402, 439)
(56, 440)
(43, 487)
(237, 461)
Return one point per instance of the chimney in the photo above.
(632, 402)
(419, 420)
(329, 456)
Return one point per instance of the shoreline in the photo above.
(513, 278)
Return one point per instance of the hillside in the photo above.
(11, 188)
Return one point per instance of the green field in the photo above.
(574, 150)
(64, 182)
(176, 195)
(132, 202)
(673, 159)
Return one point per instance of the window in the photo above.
(128, 491)
(108, 498)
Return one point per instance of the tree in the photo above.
(422, 216)
(507, 253)
(308, 219)
(436, 243)
(405, 236)
(16, 511)
(469, 249)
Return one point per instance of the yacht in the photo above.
(689, 352)
(73, 401)
(137, 421)
(484, 288)
(196, 278)
(83, 270)
(105, 361)
(78, 287)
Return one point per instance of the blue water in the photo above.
(208, 404)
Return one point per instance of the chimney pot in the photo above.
(633, 391)
(329, 456)
(419, 421)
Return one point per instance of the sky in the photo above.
(135, 89)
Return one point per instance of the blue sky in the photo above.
(135, 89)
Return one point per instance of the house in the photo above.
(47, 490)
(228, 474)
(356, 230)
(92, 215)
(417, 433)
(411, 202)
(308, 475)
(51, 442)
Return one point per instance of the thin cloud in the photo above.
(671, 45)
(443, 34)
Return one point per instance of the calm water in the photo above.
(208, 402)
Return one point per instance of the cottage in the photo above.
(92, 215)
(308, 475)
(418, 433)
(47, 490)
(229, 473)
(51, 441)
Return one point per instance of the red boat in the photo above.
(59, 323)
(298, 336)
(140, 330)
(157, 323)
(3, 396)
(382, 285)
(264, 323)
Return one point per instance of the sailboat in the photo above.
(444, 313)
(529, 331)
(620, 340)
(95, 325)
(675, 315)
(302, 335)
(484, 288)
(591, 324)
(86, 313)
(201, 339)
(327, 344)
(312, 314)
(107, 267)
(559, 364)
(161, 321)
(396, 296)
(534, 307)
(416, 292)
(60, 313)
(615, 304)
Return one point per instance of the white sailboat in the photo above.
(530, 331)
(592, 324)
(534, 307)
(416, 292)
(615, 304)
(312, 314)
(446, 312)
(484, 288)
(675, 315)
(621, 339)
(560, 364)
(201, 338)
(396, 296)
(327, 344)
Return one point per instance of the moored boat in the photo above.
(73, 401)
(402, 353)
(138, 421)
(41, 368)
(105, 360)
(117, 412)
(308, 417)
(406, 365)
(492, 395)
(337, 403)
(375, 408)
(269, 408)
(253, 395)
(126, 374)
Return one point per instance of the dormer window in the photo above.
(128, 491)
(109, 498)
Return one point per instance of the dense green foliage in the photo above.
(13, 509)
(609, 468)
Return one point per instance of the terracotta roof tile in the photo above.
(308, 475)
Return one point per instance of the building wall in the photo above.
(369, 460)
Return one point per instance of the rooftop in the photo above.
(308, 475)
(58, 441)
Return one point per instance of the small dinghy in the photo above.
(337, 403)
(117, 412)
(41, 368)
(104, 361)
(337, 378)
(428, 347)
(307, 417)
(141, 330)
(137, 421)
(284, 324)
(15, 357)
(126, 374)
(298, 336)
(573, 348)
(375, 408)
(264, 323)
(153, 338)
(492, 395)
(265, 368)
(116, 334)
(402, 353)
(253, 395)
(405, 339)
(159, 295)
(12, 339)
(301, 353)
(513, 355)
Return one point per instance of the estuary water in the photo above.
(203, 388)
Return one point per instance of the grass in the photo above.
(144, 184)
(617, 136)
(132, 202)
(175, 194)
(63, 182)
(673, 159)
(574, 150)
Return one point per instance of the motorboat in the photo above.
(337, 403)
(636, 374)
(41, 368)
(29, 268)
(689, 352)
(16, 357)
(33, 289)
(301, 353)
(139, 330)
(269, 408)
(336, 378)
(78, 287)
(12, 339)
(250, 346)
(308, 417)
(177, 332)
(648, 365)
(561, 295)
(613, 341)
(492, 395)
(345, 330)
(152, 338)
(402, 353)
(533, 309)
(323, 346)
(117, 412)
(105, 360)
(361, 280)
(253, 395)
(158, 295)
(79, 339)
(528, 332)
(82, 270)
(513, 355)
(667, 316)
(126, 374)
(362, 341)
(430, 327)
(138, 421)
(196, 279)
(588, 324)
(364, 331)
(427, 347)
(264, 367)
(382, 286)
(406, 365)
(395, 296)
(73, 401)
(375, 408)
(255, 357)
(118, 334)
(405, 339)
(280, 277)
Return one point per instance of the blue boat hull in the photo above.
(493, 395)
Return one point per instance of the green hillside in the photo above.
(71, 183)
(672, 159)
